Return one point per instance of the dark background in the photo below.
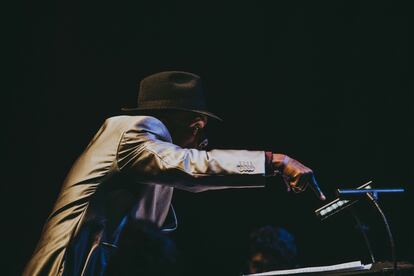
(328, 83)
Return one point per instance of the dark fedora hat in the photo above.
(171, 90)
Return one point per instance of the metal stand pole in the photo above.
(388, 229)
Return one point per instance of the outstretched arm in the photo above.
(147, 157)
(154, 161)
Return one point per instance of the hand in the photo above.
(296, 176)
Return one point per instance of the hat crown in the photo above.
(171, 89)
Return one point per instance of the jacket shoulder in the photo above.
(133, 124)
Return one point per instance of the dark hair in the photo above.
(272, 248)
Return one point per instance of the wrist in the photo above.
(279, 161)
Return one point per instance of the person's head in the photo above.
(187, 129)
(177, 99)
(272, 248)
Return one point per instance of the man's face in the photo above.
(187, 130)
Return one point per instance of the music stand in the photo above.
(348, 197)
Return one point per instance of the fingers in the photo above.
(299, 177)
(300, 182)
(287, 182)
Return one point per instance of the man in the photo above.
(131, 167)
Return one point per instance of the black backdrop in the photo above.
(329, 83)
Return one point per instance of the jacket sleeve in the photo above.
(144, 154)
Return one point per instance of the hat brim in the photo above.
(138, 110)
